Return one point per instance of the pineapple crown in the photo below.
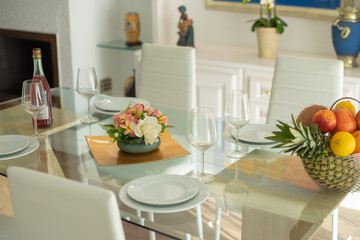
(304, 141)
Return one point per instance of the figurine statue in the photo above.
(186, 30)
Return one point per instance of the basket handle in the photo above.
(354, 99)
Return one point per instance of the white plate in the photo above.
(94, 108)
(198, 199)
(10, 144)
(162, 189)
(255, 133)
(110, 103)
(33, 145)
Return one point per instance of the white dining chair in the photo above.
(50, 207)
(167, 76)
(302, 81)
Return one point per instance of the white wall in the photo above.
(223, 27)
(93, 22)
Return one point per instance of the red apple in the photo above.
(357, 118)
(325, 119)
(345, 120)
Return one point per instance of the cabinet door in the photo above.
(258, 86)
(213, 81)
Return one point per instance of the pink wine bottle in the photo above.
(44, 118)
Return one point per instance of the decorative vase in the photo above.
(267, 38)
(346, 36)
(138, 148)
(132, 29)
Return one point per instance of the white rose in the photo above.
(149, 128)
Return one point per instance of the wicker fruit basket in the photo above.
(335, 173)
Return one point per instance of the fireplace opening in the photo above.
(16, 62)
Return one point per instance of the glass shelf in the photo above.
(118, 44)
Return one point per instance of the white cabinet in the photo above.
(258, 85)
(221, 68)
(213, 81)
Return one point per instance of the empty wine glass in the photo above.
(87, 86)
(237, 115)
(202, 135)
(33, 100)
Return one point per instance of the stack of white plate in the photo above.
(164, 193)
(252, 134)
(15, 148)
(111, 105)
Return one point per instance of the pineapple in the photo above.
(307, 142)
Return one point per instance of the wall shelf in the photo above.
(119, 45)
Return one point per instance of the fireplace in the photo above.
(16, 63)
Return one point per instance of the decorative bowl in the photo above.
(138, 148)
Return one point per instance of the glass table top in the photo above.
(248, 197)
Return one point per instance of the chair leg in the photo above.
(199, 221)
(335, 215)
(217, 223)
(151, 233)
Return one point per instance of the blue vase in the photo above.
(138, 148)
(346, 36)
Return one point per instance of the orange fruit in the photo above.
(342, 144)
(356, 135)
(348, 105)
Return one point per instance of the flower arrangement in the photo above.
(137, 123)
(271, 19)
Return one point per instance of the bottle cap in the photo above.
(37, 53)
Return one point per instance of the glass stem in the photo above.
(237, 139)
(202, 163)
(236, 170)
(35, 124)
(89, 115)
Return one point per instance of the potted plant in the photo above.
(268, 28)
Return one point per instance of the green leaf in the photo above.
(282, 22)
(279, 28)
(296, 133)
(261, 22)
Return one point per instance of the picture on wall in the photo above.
(324, 4)
(318, 9)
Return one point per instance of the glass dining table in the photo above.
(263, 195)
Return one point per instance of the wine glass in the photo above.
(87, 86)
(33, 100)
(237, 115)
(202, 135)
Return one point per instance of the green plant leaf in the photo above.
(259, 23)
(279, 28)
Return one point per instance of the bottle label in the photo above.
(43, 114)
